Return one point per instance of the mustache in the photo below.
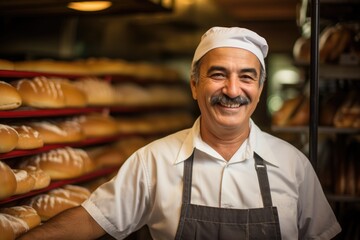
(226, 100)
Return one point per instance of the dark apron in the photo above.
(205, 223)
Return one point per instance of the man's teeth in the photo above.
(231, 105)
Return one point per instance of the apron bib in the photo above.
(206, 223)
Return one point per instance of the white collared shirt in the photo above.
(148, 187)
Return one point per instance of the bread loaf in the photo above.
(293, 112)
(10, 97)
(97, 125)
(40, 92)
(29, 138)
(63, 163)
(8, 138)
(47, 206)
(25, 213)
(74, 97)
(98, 91)
(11, 227)
(24, 181)
(7, 181)
(6, 65)
(42, 179)
(71, 192)
(61, 131)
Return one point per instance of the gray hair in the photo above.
(195, 74)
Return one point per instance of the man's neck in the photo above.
(226, 142)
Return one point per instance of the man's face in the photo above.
(225, 74)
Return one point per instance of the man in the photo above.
(222, 179)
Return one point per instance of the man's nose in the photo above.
(232, 87)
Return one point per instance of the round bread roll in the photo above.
(47, 206)
(98, 91)
(65, 131)
(97, 125)
(8, 138)
(29, 138)
(42, 179)
(10, 97)
(63, 163)
(24, 181)
(24, 212)
(41, 92)
(7, 181)
(11, 227)
(71, 192)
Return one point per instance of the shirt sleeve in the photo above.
(316, 218)
(120, 205)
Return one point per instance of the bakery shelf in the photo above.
(25, 112)
(321, 129)
(28, 74)
(60, 183)
(48, 147)
(343, 198)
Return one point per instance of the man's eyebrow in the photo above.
(249, 70)
(216, 68)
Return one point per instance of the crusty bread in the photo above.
(24, 212)
(40, 92)
(74, 193)
(24, 181)
(47, 206)
(60, 131)
(7, 181)
(29, 138)
(10, 97)
(98, 125)
(8, 138)
(11, 227)
(62, 163)
(42, 179)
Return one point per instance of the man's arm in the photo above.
(74, 223)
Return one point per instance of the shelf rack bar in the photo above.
(314, 88)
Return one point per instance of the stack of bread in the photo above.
(95, 67)
(335, 40)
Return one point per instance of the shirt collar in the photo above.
(256, 142)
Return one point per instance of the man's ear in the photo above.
(193, 86)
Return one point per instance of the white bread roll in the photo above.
(7, 181)
(42, 179)
(29, 138)
(10, 97)
(24, 212)
(11, 227)
(24, 181)
(41, 92)
(65, 131)
(71, 192)
(97, 125)
(8, 138)
(98, 91)
(63, 163)
(47, 206)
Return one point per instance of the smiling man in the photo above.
(223, 178)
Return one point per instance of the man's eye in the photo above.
(217, 75)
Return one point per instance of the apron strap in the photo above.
(263, 180)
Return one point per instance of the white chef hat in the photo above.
(231, 37)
